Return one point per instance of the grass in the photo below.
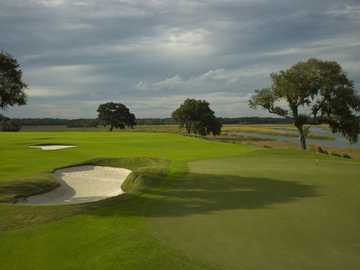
(191, 204)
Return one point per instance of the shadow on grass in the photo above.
(165, 196)
(191, 193)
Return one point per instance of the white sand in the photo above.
(51, 147)
(83, 184)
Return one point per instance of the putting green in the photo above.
(195, 204)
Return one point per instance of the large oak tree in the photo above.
(116, 115)
(313, 92)
(197, 117)
(11, 84)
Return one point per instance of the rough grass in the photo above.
(192, 204)
(276, 130)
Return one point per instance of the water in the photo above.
(339, 140)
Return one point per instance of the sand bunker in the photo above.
(83, 184)
(52, 147)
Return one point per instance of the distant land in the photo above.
(90, 122)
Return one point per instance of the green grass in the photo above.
(270, 211)
(192, 204)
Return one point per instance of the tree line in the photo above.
(94, 122)
(311, 92)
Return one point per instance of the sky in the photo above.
(152, 54)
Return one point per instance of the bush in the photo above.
(9, 125)
(346, 156)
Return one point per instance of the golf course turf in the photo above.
(190, 204)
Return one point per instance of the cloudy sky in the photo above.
(152, 54)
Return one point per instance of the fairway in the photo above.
(191, 204)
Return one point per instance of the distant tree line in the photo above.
(7, 124)
(155, 121)
(82, 123)
(93, 122)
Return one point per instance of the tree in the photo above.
(116, 115)
(197, 117)
(11, 84)
(316, 92)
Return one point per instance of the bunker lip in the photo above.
(82, 184)
(50, 147)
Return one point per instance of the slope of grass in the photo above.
(194, 204)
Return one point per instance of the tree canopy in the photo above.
(116, 115)
(11, 84)
(315, 92)
(197, 117)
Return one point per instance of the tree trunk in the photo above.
(111, 127)
(302, 137)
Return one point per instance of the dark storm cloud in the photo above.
(151, 54)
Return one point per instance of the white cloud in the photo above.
(80, 4)
(319, 46)
(48, 3)
(71, 26)
(60, 81)
(214, 80)
(170, 83)
(185, 42)
(173, 42)
(61, 74)
(224, 104)
(45, 92)
(351, 11)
